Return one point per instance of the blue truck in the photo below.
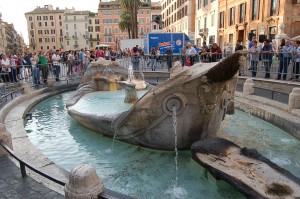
(161, 40)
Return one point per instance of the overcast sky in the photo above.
(13, 11)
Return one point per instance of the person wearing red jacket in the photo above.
(215, 53)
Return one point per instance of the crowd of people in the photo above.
(288, 52)
(16, 68)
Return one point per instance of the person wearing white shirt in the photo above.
(56, 58)
(5, 65)
(191, 52)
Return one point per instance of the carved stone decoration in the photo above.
(199, 95)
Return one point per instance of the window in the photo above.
(74, 18)
(90, 21)
(198, 4)
(205, 2)
(46, 24)
(40, 40)
(60, 23)
(46, 32)
(38, 18)
(231, 39)
(90, 29)
(242, 9)
(254, 10)
(31, 25)
(148, 20)
(66, 18)
(45, 18)
(53, 31)
(53, 39)
(40, 32)
(30, 18)
(116, 30)
(59, 17)
(67, 26)
(141, 20)
(51, 17)
(75, 26)
(221, 20)
(42, 47)
(154, 27)
(87, 42)
(52, 23)
(68, 43)
(98, 36)
(40, 24)
(61, 39)
(274, 8)
(116, 20)
(212, 22)
(96, 21)
(97, 28)
(61, 32)
(231, 16)
(54, 47)
(48, 47)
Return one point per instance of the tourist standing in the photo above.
(152, 58)
(169, 55)
(44, 66)
(296, 69)
(5, 66)
(285, 58)
(267, 57)
(215, 52)
(56, 58)
(238, 46)
(254, 58)
(191, 52)
(135, 58)
(183, 55)
(35, 69)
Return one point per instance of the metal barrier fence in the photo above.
(263, 65)
(260, 64)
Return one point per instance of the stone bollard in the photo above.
(83, 183)
(26, 88)
(294, 99)
(6, 138)
(248, 87)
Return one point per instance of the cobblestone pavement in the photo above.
(13, 186)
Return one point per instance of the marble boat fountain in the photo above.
(200, 95)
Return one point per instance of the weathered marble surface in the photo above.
(246, 169)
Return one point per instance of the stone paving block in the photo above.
(13, 186)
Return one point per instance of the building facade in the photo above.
(94, 30)
(76, 29)
(179, 16)
(109, 15)
(10, 41)
(156, 15)
(45, 28)
(206, 21)
(239, 19)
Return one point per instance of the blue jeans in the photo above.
(36, 76)
(254, 67)
(57, 71)
(153, 64)
(283, 66)
(136, 63)
(267, 65)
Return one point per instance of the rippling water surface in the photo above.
(145, 173)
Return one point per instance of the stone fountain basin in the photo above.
(99, 116)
